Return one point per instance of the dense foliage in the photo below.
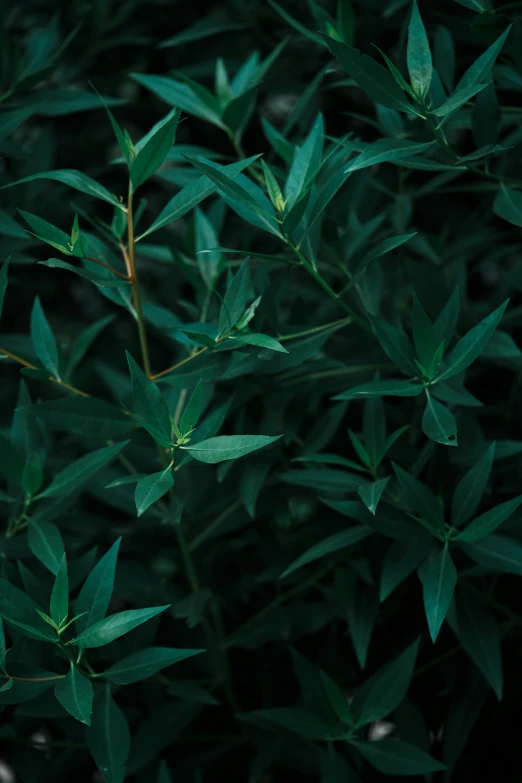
(260, 445)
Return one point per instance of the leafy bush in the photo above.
(260, 445)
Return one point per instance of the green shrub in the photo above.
(260, 447)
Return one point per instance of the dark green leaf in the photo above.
(332, 544)
(43, 339)
(225, 447)
(471, 488)
(95, 594)
(486, 523)
(439, 580)
(79, 472)
(153, 153)
(145, 663)
(395, 757)
(75, 694)
(152, 488)
(439, 423)
(418, 54)
(110, 628)
(109, 737)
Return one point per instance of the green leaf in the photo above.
(192, 97)
(75, 694)
(193, 194)
(488, 522)
(74, 179)
(235, 299)
(396, 757)
(149, 405)
(45, 542)
(387, 151)
(439, 423)
(154, 152)
(110, 628)
(424, 336)
(192, 411)
(419, 497)
(393, 388)
(473, 343)
(306, 160)
(60, 594)
(497, 552)
(329, 545)
(370, 494)
(11, 120)
(84, 341)
(20, 611)
(470, 489)
(145, 663)
(396, 345)
(337, 699)
(48, 233)
(225, 447)
(386, 689)
(481, 68)
(401, 560)
(259, 340)
(83, 416)
(79, 472)
(439, 580)
(458, 99)
(230, 188)
(418, 54)
(108, 737)
(96, 592)
(43, 339)
(508, 205)
(152, 488)
(371, 77)
(294, 216)
(111, 281)
(479, 635)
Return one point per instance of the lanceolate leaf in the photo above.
(152, 488)
(440, 579)
(95, 595)
(472, 344)
(80, 471)
(375, 80)
(329, 545)
(45, 542)
(154, 152)
(225, 447)
(105, 631)
(488, 522)
(469, 491)
(418, 54)
(75, 693)
(480, 69)
(385, 690)
(396, 757)
(43, 339)
(439, 423)
(387, 151)
(109, 737)
(479, 634)
(74, 179)
(145, 663)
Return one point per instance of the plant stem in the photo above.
(107, 266)
(135, 286)
(61, 383)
